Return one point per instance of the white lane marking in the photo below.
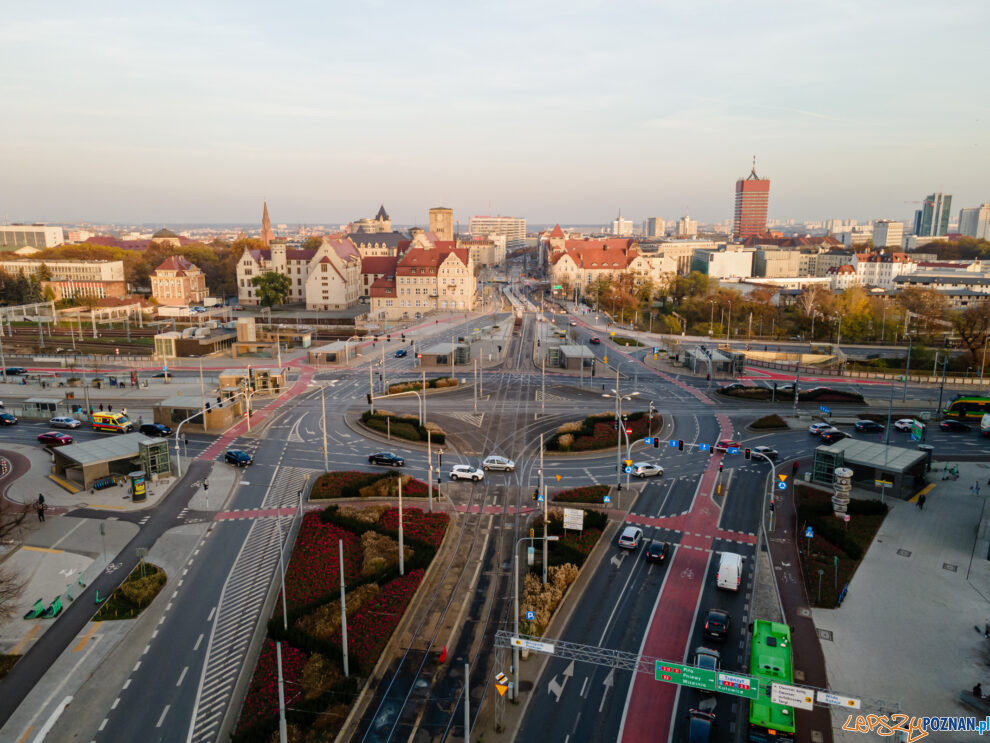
(212, 612)
(182, 676)
(162, 718)
(198, 641)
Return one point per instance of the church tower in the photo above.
(266, 227)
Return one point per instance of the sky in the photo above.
(553, 111)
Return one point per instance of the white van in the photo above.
(984, 424)
(729, 571)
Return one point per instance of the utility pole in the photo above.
(941, 387)
(402, 560)
(283, 734)
(543, 381)
(467, 703)
(476, 385)
(343, 607)
(371, 389)
(797, 381)
(907, 371)
(890, 412)
(543, 492)
(323, 404)
(429, 462)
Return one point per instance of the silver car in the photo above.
(495, 462)
(64, 422)
(646, 469)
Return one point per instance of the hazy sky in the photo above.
(554, 111)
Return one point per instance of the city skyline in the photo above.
(121, 115)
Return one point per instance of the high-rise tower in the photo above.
(266, 227)
(442, 223)
(932, 220)
(752, 197)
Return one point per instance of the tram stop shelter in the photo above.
(220, 412)
(82, 464)
(873, 463)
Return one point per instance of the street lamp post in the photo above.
(515, 603)
(907, 370)
(773, 478)
(982, 363)
(621, 428)
(728, 324)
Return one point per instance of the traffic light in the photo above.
(748, 453)
(532, 533)
(656, 442)
(536, 494)
(369, 398)
(771, 506)
(680, 444)
(615, 424)
(719, 466)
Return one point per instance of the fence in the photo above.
(950, 379)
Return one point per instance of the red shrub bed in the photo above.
(261, 702)
(586, 494)
(314, 568)
(330, 484)
(414, 489)
(369, 629)
(425, 527)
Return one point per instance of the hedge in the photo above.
(598, 432)
(402, 426)
(769, 421)
(431, 384)
(586, 494)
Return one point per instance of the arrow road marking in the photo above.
(608, 683)
(558, 689)
(617, 559)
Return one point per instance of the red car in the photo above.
(726, 444)
(54, 438)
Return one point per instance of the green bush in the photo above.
(769, 421)
(135, 594)
(402, 426)
(587, 430)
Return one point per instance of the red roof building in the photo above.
(178, 282)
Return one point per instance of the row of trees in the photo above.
(21, 289)
(697, 305)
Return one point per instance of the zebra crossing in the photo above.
(241, 602)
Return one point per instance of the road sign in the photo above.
(501, 683)
(672, 443)
(539, 498)
(607, 499)
(825, 409)
(882, 483)
(558, 477)
(836, 700)
(917, 430)
(530, 616)
(648, 441)
(702, 678)
(628, 470)
(628, 461)
(781, 486)
(783, 478)
(792, 696)
(605, 359)
(540, 647)
(809, 533)
(574, 519)
(704, 447)
(733, 450)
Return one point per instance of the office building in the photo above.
(442, 223)
(752, 199)
(654, 227)
(514, 228)
(687, 227)
(724, 263)
(888, 234)
(975, 222)
(70, 278)
(622, 227)
(932, 220)
(13, 236)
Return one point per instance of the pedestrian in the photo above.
(41, 511)
(921, 502)
(794, 468)
(101, 407)
(978, 691)
(124, 411)
(109, 408)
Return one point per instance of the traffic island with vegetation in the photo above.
(585, 494)
(437, 383)
(357, 484)
(318, 697)
(816, 394)
(565, 558)
(598, 432)
(622, 340)
(838, 546)
(771, 421)
(134, 595)
(402, 426)
(6, 663)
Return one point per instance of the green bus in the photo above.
(770, 661)
(968, 406)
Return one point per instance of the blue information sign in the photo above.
(672, 443)
(539, 498)
(628, 470)
(607, 499)
(809, 533)
(781, 486)
(825, 409)
(648, 441)
(733, 450)
(704, 447)
(530, 616)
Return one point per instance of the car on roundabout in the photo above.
(646, 469)
(54, 438)
(237, 458)
(767, 451)
(595, 341)
(155, 429)
(951, 425)
(387, 458)
(8, 419)
(725, 444)
(657, 551)
(64, 421)
(495, 462)
(834, 436)
(867, 426)
(401, 353)
(466, 472)
(700, 726)
(717, 624)
(630, 538)
(905, 424)
(815, 429)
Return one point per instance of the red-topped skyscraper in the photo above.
(752, 196)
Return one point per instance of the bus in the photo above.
(770, 661)
(968, 406)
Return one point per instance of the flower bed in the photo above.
(314, 568)
(260, 708)
(428, 528)
(335, 484)
(586, 494)
(402, 426)
(372, 626)
(599, 432)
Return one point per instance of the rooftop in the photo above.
(890, 458)
(105, 449)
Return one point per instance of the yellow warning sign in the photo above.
(783, 478)
(501, 683)
(558, 477)
(628, 463)
(502, 688)
(605, 359)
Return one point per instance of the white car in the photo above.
(466, 472)
(904, 424)
(816, 428)
(630, 538)
(495, 462)
(646, 469)
(64, 422)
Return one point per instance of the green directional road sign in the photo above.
(702, 678)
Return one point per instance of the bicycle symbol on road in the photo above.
(112, 567)
(687, 573)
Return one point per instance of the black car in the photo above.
(733, 386)
(658, 551)
(237, 457)
(951, 425)
(155, 429)
(6, 419)
(163, 375)
(767, 451)
(16, 370)
(717, 624)
(831, 437)
(595, 341)
(387, 458)
(700, 726)
(868, 426)
(401, 353)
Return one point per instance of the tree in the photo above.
(312, 242)
(972, 324)
(273, 288)
(927, 303)
(11, 518)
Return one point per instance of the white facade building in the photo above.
(888, 234)
(30, 236)
(975, 222)
(514, 228)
